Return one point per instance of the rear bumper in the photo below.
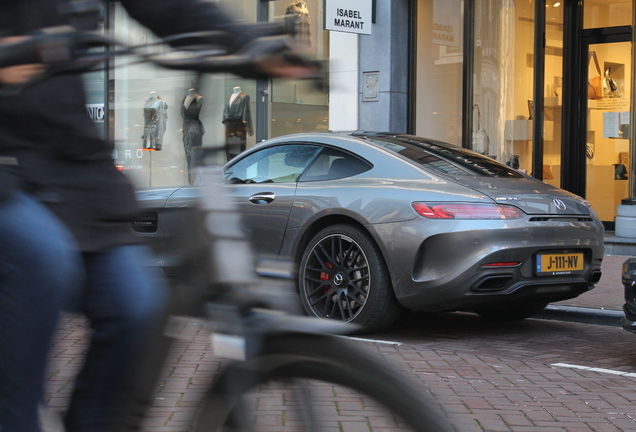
(442, 270)
(456, 297)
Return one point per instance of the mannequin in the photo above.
(155, 122)
(235, 92)
(297, 23)
(237, 119)
(193, 129)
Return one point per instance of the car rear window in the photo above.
(334, 164)
(444, 158)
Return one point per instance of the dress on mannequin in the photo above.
(155, 122)
(237, 119)
(193, 129)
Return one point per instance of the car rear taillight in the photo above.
(501, 264)
(466, 211)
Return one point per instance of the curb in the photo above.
(582, 315)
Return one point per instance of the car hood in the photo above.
(530, 195)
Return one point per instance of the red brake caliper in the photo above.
(325, 276)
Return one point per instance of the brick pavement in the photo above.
(484, 384)
(489, 379)
(484, 377)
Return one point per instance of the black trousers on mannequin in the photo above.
(235, 137)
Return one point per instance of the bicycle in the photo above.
(253, 311)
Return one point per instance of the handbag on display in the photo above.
(620, 172)
(547, 172)
(594, 85)
(609, 85)
(481, 142)
(513, 161)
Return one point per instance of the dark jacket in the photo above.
(239, 110)
(7, 184)
(61, 158)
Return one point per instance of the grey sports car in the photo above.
(378, 222)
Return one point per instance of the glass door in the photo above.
(608, 129)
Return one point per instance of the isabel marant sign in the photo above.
(350, 16)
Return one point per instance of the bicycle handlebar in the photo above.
(64, 50)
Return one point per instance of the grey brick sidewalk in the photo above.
(470, 386)
(480, 385)
(188, 373)
(608, 293)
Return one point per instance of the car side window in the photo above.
(334, 164)
(278, 164)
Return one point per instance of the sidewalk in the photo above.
(603, 304)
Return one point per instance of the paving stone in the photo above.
(483, 376)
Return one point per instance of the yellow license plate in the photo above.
(561, 263)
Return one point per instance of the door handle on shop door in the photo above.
(262, 198)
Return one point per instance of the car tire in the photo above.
(513, 313)
(343, 276)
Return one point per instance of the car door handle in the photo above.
(263, 198)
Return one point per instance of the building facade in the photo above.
(543, 86)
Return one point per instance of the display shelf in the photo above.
(521, 130)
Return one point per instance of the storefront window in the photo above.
(606, 13)
(503, 80)
(161, 119)
(145, 113)
(296, 105)
(439, 70)
(608, 126)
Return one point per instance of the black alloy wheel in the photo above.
(343, 277)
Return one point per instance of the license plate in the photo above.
(560, 263)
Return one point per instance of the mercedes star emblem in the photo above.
(559, 204)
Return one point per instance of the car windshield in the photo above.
(443, 157)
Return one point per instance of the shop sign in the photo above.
(95, 112)
(447, 23)
(349, 16)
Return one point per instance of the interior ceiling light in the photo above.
(557, 4)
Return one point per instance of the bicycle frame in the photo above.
(244, 303)
(219, 278)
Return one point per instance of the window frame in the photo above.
(268, 148)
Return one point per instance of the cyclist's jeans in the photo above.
(122, 298)
(39, 263)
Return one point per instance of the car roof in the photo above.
(357, 134)
(474, 161)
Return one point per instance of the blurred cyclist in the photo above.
(38, 264)
(64, 222)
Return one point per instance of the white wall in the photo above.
(343, 81)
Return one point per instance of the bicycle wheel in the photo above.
(318, 383)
